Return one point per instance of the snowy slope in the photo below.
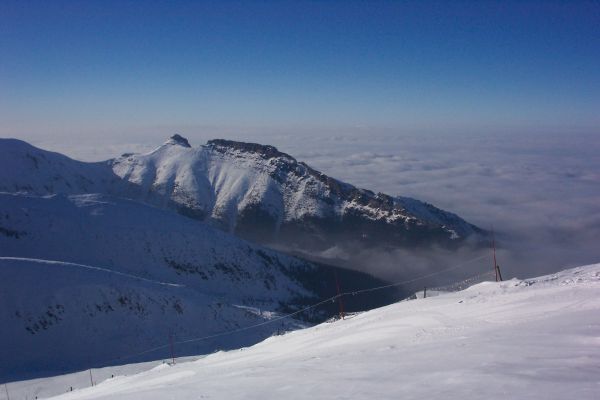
(60, 316)
(129, 237)
(25, 168)
(532, 339)
(122, 275)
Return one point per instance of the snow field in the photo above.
(531, 339)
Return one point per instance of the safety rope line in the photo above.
(458, 285)
(304, 309)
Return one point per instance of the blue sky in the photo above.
(102, 68)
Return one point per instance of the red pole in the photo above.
(339, 293)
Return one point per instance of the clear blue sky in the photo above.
(111, 67)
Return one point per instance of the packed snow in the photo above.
(527, 339)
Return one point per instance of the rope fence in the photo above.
(304, 309)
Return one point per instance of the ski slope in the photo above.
(521, 339)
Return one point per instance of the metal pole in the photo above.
(90, 370)
(494, 252)
(339, 293)
(171, 343)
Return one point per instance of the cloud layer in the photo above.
(541, 193)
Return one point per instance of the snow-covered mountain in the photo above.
(520, 339)
(252, 190)
(265, 195)
(85, 279)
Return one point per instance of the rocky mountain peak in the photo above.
(265, 151)
(179, 140)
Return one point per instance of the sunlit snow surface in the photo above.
(531, 339)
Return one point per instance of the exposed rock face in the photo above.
(264, 151)
(177, 139)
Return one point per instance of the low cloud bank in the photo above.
(541, 193)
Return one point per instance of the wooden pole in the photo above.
(425, 292)
(339, 293)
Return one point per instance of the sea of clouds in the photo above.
(540, 192)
